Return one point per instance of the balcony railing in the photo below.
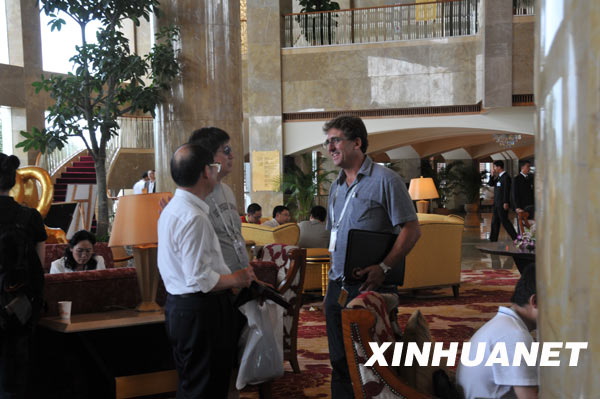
(523, 7)
(380, 24)
(135, 132)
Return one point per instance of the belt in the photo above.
(201, 294)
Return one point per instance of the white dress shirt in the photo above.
(271, 223)
(58, 266)
(139, 186)
(189, 254)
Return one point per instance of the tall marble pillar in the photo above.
(208, 92)
(265, 124)
(567, 93)
(497, 31)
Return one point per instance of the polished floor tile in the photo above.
(472, 258)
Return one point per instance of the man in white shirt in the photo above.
(138, 187)
(281, 215)
(151, 183)
(198, 311)
(509, 326)
(313, 233)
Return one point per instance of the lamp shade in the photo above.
(422, 188)
(136, 220)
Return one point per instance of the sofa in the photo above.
(288, 234)
(94, 290)
(435, 259)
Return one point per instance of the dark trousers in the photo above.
(500, 216)
(201, 331)
(341, 385)
(16, 347)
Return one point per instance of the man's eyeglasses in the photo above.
(227, 150)
(216, 165)
(334, 141)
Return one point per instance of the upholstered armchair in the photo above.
(288, 233)
(367, 319)
(291, 266)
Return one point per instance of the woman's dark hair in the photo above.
(210, 138)
(81, 235)
(8, 171)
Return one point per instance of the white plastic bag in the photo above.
(262, 343)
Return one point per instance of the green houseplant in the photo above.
(303, 187)
(109, 81)
(444, 180)
(315, 6)
(469, 181)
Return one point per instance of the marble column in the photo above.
(497, 28)
(567, 93)
(208, 92)
(265, 124)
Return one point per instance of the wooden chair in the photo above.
(523, 219)
(291, 264)
(367, 319)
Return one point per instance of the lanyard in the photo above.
(229, 233)
(349, 196)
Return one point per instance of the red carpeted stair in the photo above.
(80, 172)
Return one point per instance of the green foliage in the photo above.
(314, 6)
(469, 180)
(444, 179)
(109, 80)
(303, 187)
(318, 5)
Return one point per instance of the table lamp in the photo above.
(136, 224)
(420, 190)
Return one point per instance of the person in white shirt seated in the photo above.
(313, 233)
(138, 187)
(509, 326)
(79, 256)
(281, 215)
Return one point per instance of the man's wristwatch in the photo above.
(386, 269)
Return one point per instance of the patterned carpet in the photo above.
(449, 318)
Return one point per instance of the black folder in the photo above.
(366, 248)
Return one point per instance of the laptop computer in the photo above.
(366, 248)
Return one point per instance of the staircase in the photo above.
(80, 172)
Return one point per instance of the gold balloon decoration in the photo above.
(25, 192)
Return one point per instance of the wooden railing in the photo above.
(443, 18)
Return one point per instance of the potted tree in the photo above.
(108, 82)
(469, 181)
(315, 24)
(445, 183)
(303, 187)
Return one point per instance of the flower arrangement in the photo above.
(527, 239)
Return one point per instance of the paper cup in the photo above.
(64, 310)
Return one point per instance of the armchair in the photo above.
(367, 319)
(291, 267)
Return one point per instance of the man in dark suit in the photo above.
(500, 180)
(522, 190)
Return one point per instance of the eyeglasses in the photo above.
(227, 150)
(334, 141)
(81, 251)
(216, 165)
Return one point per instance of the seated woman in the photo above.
(79, 256)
